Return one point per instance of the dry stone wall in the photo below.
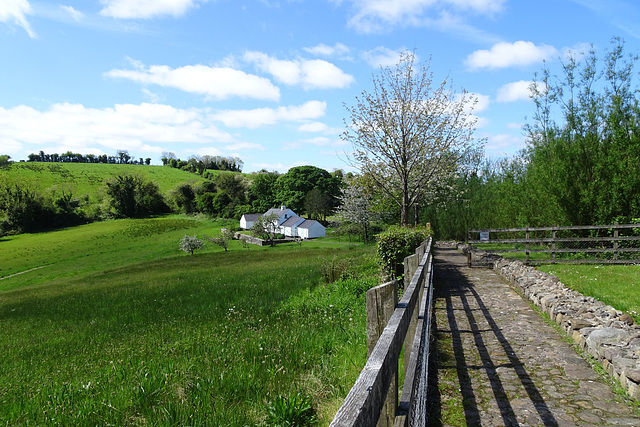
(609, 335)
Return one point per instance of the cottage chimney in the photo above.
(283, 207)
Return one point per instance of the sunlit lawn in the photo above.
(616, 285)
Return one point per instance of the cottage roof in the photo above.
(308, 223)
(279, 211)
(292, 221)
(251, 217)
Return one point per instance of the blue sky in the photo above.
(267, 80)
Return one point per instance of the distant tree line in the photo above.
(122, 157)
(200, 164)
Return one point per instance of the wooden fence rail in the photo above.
(616, 239)
(373, 400)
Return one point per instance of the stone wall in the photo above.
(256, 241)
(609, 335)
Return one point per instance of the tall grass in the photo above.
(164, 338)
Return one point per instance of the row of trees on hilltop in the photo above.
(200, 164)
(121, 157)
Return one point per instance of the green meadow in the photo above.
(88, 178)
(110, 324)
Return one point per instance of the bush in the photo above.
(397, 243)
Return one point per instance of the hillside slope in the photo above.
(88, 178)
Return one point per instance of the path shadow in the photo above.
(452, 287)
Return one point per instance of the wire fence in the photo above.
(616, 243)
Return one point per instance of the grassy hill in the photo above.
(88, 178)
(110, 324)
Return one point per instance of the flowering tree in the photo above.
(356, 207)
(189, 244)
(409, 134)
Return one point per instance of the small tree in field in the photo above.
(189, 244)
(265, 227)
(223, 239)
(357, 208)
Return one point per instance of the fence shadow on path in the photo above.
(470, 327)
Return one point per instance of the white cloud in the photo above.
(152, 97)
(244, 146)
(216, 82)
(76, 15)
(313, 127)
(474, 103)
(337, 50)
(125, 126)
(131, 9)
(504, 143)
(383, 57)
(279, 167)
(516, 91)
(268, 116)
(478, 102)
(503, 55)
(319, 141)
(16, 11)
(318, 127)
(310, 74)
(381, 15)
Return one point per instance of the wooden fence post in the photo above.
(615, 242)
(526, 236)
(553, 245)
(381, 303)
(410, 266)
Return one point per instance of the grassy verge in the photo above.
(616, 285)
(122, 329)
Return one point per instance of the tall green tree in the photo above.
(133, 196)
(409, 134)
(292, 188)
(588, 161)
(262, 191)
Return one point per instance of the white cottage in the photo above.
(310, 229)
(290, 227)
(247, 220)
(288, 223)
(283, 214)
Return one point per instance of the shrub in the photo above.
(397, 243)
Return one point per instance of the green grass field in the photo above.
(615, 285)
(88, 178)
(110, 324)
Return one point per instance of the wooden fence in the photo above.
(613, 244)
(373, 400)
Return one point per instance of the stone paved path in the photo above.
(499, 361)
